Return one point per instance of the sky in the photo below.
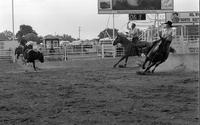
(65, 16)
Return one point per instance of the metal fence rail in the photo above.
(7, 55)
(182, 45)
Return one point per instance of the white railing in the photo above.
(182, 45)
(186, 44)
(7, 55)
(112, 51)
(73, 52)
(108, 50)
(82, 51)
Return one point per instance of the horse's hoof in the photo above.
(149, 71)
(122, 66)
(141, 73)
(114, 66)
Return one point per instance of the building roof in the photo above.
(50, 37)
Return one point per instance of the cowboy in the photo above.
(133, 32)
(167, 34)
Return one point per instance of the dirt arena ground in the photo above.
(91, 92)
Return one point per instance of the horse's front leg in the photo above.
(146, 60)
(24, 61)
(34, 65)
(119, 61)
(149, 67)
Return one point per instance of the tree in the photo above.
(24, 30)
(6, 35)
(31, 37)
(107, 33)
(67, 37)
(26, 33)
(2, 36)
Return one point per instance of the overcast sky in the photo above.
(65, 16)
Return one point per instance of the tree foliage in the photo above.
(108, 32)
(24, 30)
(6, 35)
(66, 37)
(26, 33)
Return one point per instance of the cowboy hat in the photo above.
(169, 23)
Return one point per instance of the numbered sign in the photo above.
(137, 17)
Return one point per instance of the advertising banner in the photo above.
(183, 17)
(134, 6)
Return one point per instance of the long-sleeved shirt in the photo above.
(168, 34)
(133, 32)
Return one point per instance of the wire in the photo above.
(108, 21)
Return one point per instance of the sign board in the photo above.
(137, 17)
(134, 6)
(183, 17)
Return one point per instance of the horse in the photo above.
(157, 55)
(18, 51)
(30, 56)
(131, 49)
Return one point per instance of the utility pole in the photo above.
(79, 32)
(13, 24)
(113, 26)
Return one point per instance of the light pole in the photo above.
(79, 32)
(13, 25)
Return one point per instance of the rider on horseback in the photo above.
(160, 49)
(167, 34)
(134, 33)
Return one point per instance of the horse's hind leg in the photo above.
(126, 61)
(156, 66)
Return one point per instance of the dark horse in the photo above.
(157, 55)
(134, 49)
(19, 50)
(131, 49)
(29, 55)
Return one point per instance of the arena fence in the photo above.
(111, 51)
(186, 44)
(82, 51)
(182, 45)
(7, 55)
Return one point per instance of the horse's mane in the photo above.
(124, 40)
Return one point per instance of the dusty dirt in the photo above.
(93, 93)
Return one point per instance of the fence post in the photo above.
(102, 51)
(82, 50)
(65, 53)
(13, 56)
(114, 53)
